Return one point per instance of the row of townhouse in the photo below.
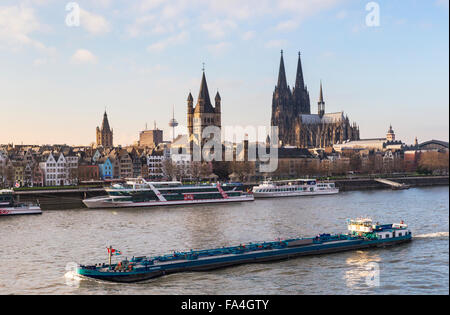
(121, 164)
(62, 165)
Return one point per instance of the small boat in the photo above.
(141, 193)
(8, 206)
(293, 188)
(362, 234)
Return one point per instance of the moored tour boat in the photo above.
(362, 234)
(292, 188)
(8, 206)
(141, 193)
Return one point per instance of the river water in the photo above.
(36, 250)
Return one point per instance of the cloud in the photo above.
(170, 41)
(17, 23)
(219, 48)
(238, 9)
(102, 3)
(276, 43)
(248, 35)
(40, 62)
(83, 56)
(146, 5)
(93, 23)
(139, 24)
(442, 3)
(341, 15)
(287, 25)
(219, 28)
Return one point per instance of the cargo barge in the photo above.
(363, 234)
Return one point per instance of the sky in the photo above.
(381, 62)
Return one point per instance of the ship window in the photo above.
(381, 236)
(399, 234)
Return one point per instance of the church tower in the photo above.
(390, 136)
(204, 114)
(282, 107)
(300, 93)
(105, 134)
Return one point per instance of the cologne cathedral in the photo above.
(291, 112)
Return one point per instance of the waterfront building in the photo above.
(139, 163)
(28, 174)
(19, 173)
(62, 173)
(126, 164)
(56, 171)
(97, 155)
(38, 176)
(150, 138)
(72, 168)
(295, 162)
(155, 165)
(48, 166)
(376, 144)
(105, 133)
(106, 170)
(88, 172)
(297, 126)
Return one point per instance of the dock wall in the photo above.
(72, 198)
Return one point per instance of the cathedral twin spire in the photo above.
(299, 82)
(282, 82)
(300, 96)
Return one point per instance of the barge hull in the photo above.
(212, 263)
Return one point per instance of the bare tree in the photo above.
(169, 168)
(196, 170)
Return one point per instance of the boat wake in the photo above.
(440, 235)
(72, 279)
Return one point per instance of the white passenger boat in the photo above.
(8, 206)
(141, 193)
(292, 188)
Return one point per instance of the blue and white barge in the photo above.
(363, 234)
